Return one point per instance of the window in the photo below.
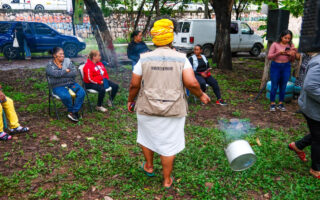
(15, 1)
(27, 29)
(4, 28)
(245, 28)
(186, 27)
(234, 28)
(42, 29)
(180, 27)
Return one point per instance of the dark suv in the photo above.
(40, 38)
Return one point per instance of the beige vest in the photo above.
(162, 92)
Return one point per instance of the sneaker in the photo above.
(282, 108)
(221, 102)
(109, 103)
(272, 108)
(101, 109)
(73, 117)
(109, 89)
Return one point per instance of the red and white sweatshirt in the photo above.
(94, 72)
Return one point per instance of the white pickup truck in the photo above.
(203, 32)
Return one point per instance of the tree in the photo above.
(239, 6)
(207, 13)
(139, 15)
(101, 32)
(222, 50)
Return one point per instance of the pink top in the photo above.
(275, 53)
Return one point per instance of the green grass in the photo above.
(109, 160)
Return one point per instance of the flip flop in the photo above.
(168, 188)
(301, 154)
(147, 173)
(318, 177)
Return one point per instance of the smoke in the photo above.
(235, 129)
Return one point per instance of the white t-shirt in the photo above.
(137, 69)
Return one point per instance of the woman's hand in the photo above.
(130, 106)
(67, 70)
(2, 97)
(204, 98)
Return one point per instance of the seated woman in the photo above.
(95, 76)
(201, 69)
(7, 106)
(62, 74)
(136, 47)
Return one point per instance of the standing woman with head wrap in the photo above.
(159, 80)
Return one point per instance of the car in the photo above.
(189, 6)
(203, 32)
(40, 38)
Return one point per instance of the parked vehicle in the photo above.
(34, 4)
(203, 32)
(40, 38)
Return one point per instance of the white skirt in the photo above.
(163, 135)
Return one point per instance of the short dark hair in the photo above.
(198, 45)
(283, 33)
(55, 50)
(134, 34)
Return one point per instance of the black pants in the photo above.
(102, 91)
(312, 139)
(210, 81)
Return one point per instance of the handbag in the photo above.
(15, 41)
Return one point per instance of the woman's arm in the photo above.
(134, 89)
(273, 53)
(53, 72)
(312, 82)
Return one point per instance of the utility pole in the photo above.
(72, 17)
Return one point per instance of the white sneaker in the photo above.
(101, 109)
(109, 89)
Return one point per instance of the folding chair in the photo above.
(52, 98)
(91, 91)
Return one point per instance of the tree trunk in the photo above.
(136, 23)
(101, 33)
(148, 20)
(157, 5)
(206, 9)
(222, 50)
(265, 75)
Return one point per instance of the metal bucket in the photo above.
(240, 155)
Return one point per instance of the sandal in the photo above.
(6, 137)
(147, 173)
(300, 154)
(19, 130)
(316, 176)
(168, 188)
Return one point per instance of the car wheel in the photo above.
(70, 50)
(199, 9)
(6, 6)
(207, 50)
(39, 7)
(256, 50)
(10, 52)
(122, 9)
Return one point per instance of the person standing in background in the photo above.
(136, 47)
(281, 53)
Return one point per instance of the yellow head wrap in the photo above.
(162, 32)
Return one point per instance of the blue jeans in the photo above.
(26, 49)
(63, 93)
(279, 74)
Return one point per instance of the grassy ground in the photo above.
(101, 156)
